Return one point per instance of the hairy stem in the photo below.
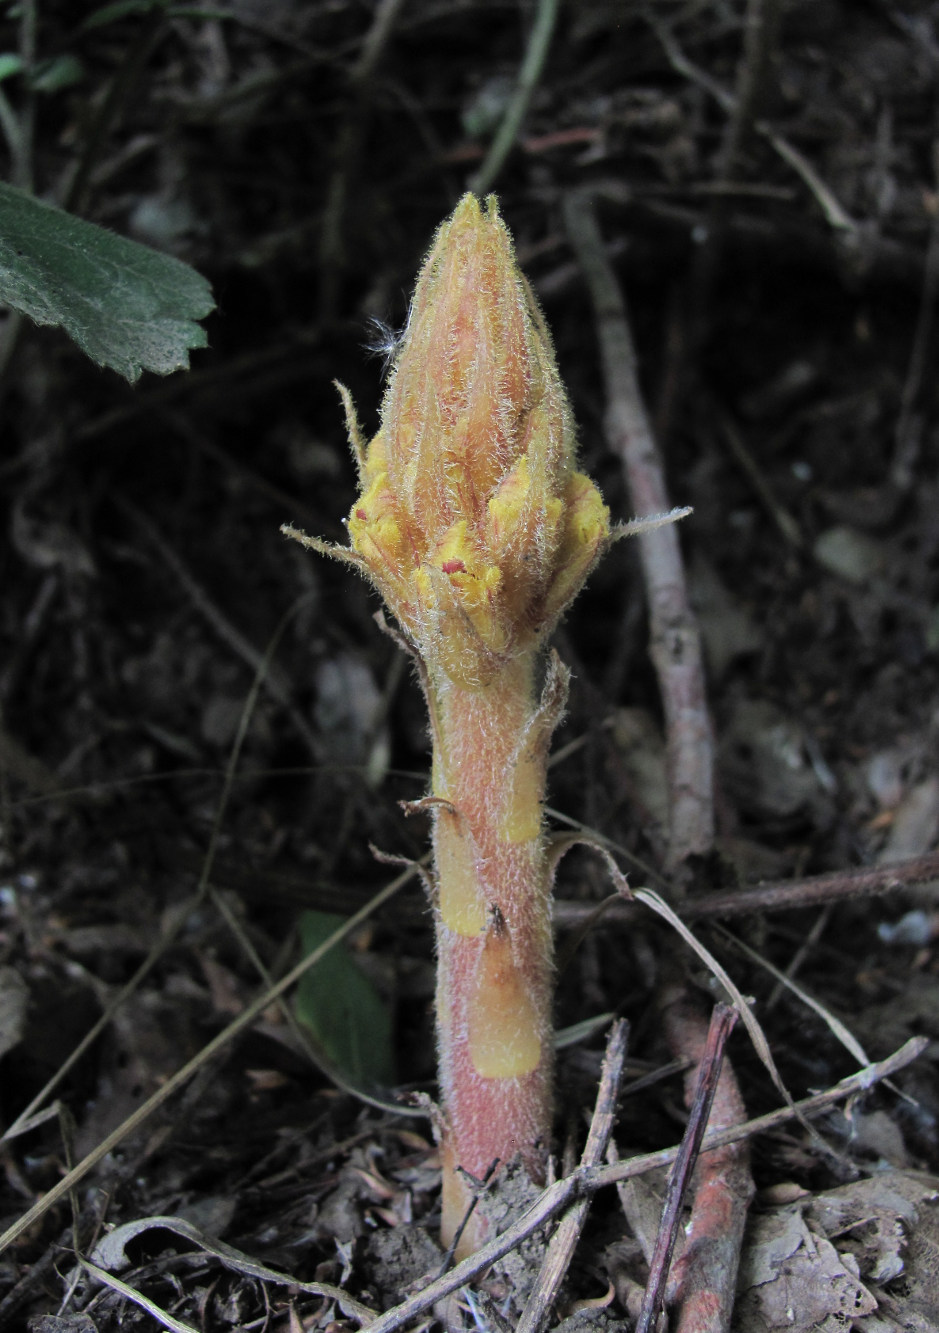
(493, 926)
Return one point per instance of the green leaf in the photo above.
(10, 64)
(344, 1012)
(121, 9)
(127, 306)
(56, 74)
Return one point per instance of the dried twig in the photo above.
(676, 643)
(777, 896)
(563, 1242)
(136, 1297)
(273, 679)
(348, 149)
(788, 894)
(122, 87)
(787, 525)
(585, 1180)
(706, 1082)
(529, 74)
(906, 438)
(759, 28)
(835, 215)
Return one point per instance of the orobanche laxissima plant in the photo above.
(477, 529)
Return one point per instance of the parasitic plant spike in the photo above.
(476, 528)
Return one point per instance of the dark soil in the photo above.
(783, 309)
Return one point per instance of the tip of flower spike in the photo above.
(469, 209)
(471, 215)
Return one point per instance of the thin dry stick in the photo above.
(787, 979)
(782, 895)
(107, 113)
(136, 1297)
(777, 896)
(249, 372)
(585, 1180)
(529, 74)
(723, 1018)
(676, 643)
(906, 439)
(703, 1281)
(784, 521)
(348, 149)
(564, 1241)
(835, 215)
(759, 27)
(784, 982)
(274, 681)
(182, 424)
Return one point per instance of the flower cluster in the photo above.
(473, 522)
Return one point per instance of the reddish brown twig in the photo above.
(576, 135)
(783, 894)
(704, 1278)
(777, 896)
(723, 1018)
(675, 641)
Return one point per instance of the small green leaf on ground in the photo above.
(342, 1009)
(57, 74)
(127, 306)
(120, 10)
(9, 65)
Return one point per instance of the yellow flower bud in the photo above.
(473, 523)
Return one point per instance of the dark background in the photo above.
(787, 360)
